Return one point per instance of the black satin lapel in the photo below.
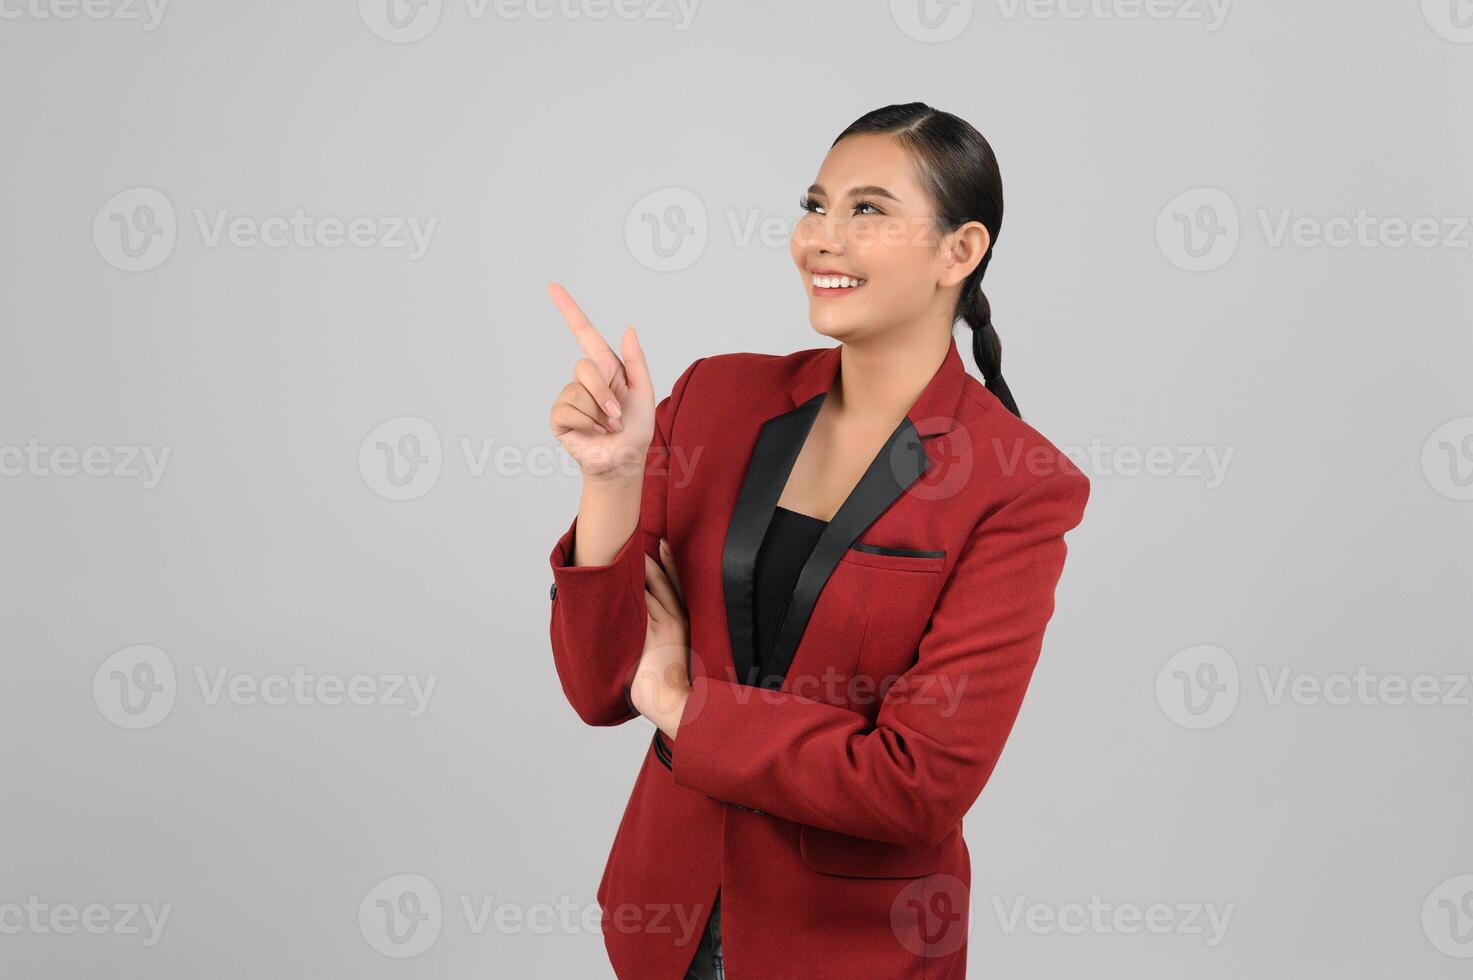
(899, 464)
(778, 445)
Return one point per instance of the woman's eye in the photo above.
(813, 207)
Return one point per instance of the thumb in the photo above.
(667, 559)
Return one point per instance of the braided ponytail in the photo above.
(960, 172)
(986, 344)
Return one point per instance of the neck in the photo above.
(881, 377)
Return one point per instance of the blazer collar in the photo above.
(934, 412)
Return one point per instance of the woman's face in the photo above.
(870, 220)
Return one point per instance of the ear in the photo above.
(961, 252)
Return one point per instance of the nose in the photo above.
(823, 234)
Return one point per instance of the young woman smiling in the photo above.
(831, 610)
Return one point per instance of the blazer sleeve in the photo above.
(598, 611)
(910, 777)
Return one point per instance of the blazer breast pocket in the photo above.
(831, 853)
(900, 559)
(905, 584)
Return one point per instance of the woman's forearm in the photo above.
(608, 513)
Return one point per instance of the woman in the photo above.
(824, 578)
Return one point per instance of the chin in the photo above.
(842, 329)
(829, 330)
(835, 327)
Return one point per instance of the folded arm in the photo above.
(911, 776)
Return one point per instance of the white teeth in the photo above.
(837, 282)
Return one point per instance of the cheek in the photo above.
(897, 271)
(888, 248)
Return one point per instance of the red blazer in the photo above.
(824, 801)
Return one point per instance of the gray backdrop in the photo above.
(278, 486)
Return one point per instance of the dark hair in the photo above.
(960, 173)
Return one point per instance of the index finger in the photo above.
(584, 332)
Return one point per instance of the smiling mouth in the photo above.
(836, 285)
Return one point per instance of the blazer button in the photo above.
(552, 593)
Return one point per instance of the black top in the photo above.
(789, 540)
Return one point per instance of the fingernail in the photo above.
(612, 407)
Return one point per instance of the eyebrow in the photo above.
(865, 190)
